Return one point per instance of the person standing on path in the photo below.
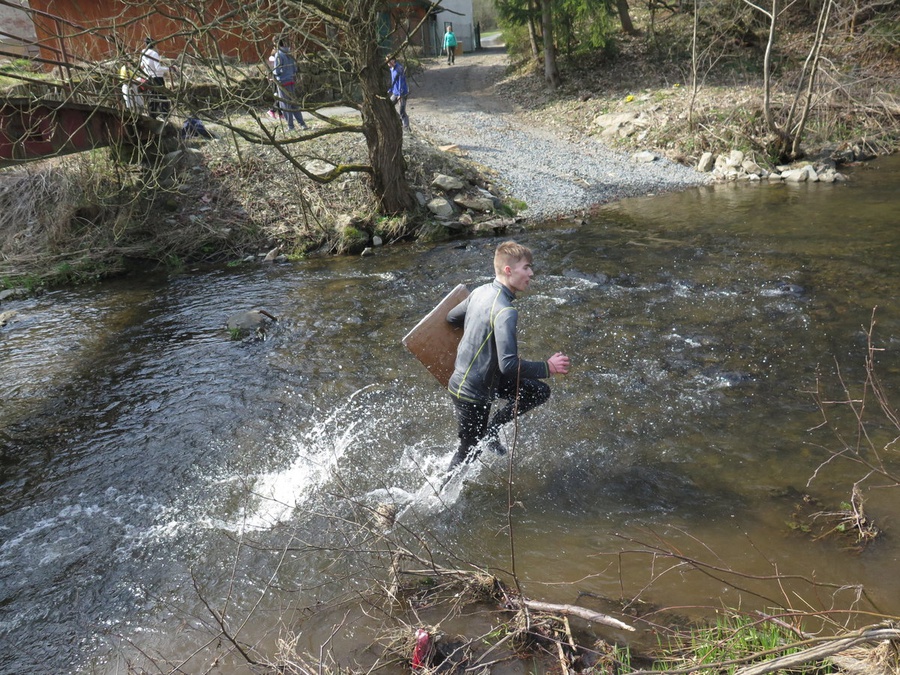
(286, 74)
(274, 112)
(154, 70)
(488, 365)
(450, 45)
(399, 90)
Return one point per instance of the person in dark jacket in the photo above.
(399, 90)
(488, 365)
(286, 74)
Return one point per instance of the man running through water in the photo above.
(488, 365)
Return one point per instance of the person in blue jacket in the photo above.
(399, 90)
(488, 365)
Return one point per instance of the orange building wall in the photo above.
(122, 29)
(118, 29)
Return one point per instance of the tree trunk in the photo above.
(384, 140)
(380, 121)
(551, 71)
(625, 17)
(532, 31)
(767, 70)
(815, 53)
(695, 66)
(779, 142)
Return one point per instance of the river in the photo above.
(151, 464)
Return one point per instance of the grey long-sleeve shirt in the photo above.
(488, 349)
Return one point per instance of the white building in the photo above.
(459, 14)
(17, 31)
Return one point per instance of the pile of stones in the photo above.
(735, 166)
(459, 205)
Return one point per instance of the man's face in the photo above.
(518, 275)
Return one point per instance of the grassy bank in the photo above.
(83, 217)
(684, 102)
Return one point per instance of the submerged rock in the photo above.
(253, 322)
(8, 317)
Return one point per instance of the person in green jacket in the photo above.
(450, 45)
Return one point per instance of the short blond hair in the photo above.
(509, 253)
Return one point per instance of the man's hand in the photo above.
(559, 364)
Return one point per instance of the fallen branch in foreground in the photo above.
(574, 610)
(511, 599)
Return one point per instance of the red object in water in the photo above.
(422, 650)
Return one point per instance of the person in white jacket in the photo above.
(273, 111)
(154, 70)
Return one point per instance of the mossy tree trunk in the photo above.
(380, 121)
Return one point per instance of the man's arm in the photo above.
(505, 327)
(457, 316)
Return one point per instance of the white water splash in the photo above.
(439, 491)
(278, 494)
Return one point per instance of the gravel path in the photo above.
(458, 105)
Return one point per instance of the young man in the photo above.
(488, 365)
(450, 45)
(399, 90)
(285, 73)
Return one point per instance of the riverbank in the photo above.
(614, 129)
(480, 109)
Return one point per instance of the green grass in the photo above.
(734, 637)
(30, 282)
(7, 82)
(17, 71)
(174, 262)
(513, 207)
(16, 67)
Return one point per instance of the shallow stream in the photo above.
(140, 445)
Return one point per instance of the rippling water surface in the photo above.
(148, 461)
